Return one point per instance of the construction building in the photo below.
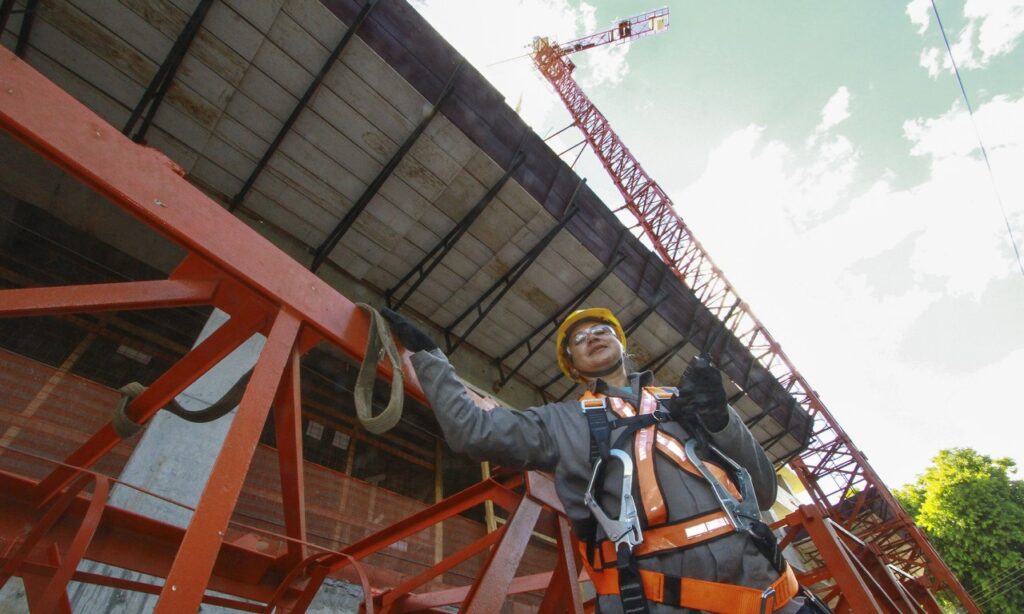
(191, 188)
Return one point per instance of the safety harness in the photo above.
(644, 531)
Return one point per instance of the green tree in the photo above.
(973, 512)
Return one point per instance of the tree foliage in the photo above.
(973, 512)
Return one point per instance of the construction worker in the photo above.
(663, 531)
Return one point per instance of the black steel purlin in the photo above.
(306, 97)
(28, 17)
(503, 284)
(325, 248)
(552, 322)
(6, 8)
(437, 253)
(161, 82)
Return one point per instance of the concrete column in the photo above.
(173, 459)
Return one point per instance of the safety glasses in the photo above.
(598, 330)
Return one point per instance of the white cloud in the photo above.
(920, 13)
(607, 65)
(1001, 25)
(1000, 122)
(992, 29)
(952, 222)
(836, 109)
(932, 59)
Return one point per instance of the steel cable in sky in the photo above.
(977, 133)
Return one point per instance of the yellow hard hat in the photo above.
(595, 314)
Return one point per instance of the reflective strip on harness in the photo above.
(661, 393)
(675, 536)
(703, 595)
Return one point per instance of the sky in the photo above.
(824, 156)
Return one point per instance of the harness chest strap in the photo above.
(673, 536)
(702, 594)
(667, 444)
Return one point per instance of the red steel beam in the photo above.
(149, 186)
(130, 541)
(854, 589)
(488, 592)
(522, 584)
(38, 589)
(187, 580)
(21, 302)
(288, 422)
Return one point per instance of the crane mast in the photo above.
(836, 474)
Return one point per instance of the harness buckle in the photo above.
(769, 593)
(624, 530)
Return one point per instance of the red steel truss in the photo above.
(836, 474)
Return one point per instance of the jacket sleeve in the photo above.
(737, 442)
(514, 439)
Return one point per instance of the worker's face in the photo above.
(593, 346)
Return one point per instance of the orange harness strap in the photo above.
(643, 452)
(678, 535)
(703, 595)
(672, 448)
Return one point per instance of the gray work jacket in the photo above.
(556, 438)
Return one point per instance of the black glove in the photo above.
(702, 393)
(410, 335)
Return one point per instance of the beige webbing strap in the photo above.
(124, 426)
(378, 344)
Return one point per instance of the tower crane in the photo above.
(836, 474)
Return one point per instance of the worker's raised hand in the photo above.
(702, 392)
(410, 335)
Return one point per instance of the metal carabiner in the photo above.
(626, 528)
(740, 513)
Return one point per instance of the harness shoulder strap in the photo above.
(593, 408)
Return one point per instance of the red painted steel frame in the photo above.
(836, 474)
(860, 581)
(264, 291)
